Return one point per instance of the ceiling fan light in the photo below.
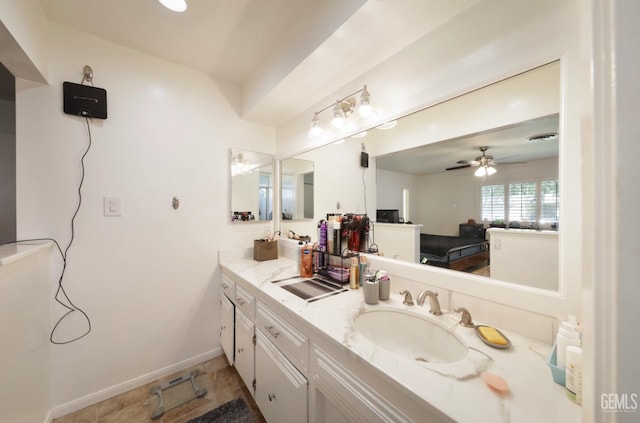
(481, 171)
(491, 170)
(175, 5)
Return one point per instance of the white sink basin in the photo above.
(410, 335)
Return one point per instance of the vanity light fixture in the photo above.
(240, 166)
(175, 5)
(342, 111)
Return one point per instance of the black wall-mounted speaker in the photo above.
(84, 100)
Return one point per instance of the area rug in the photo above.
(234, 411)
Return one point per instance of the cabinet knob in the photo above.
(241, 301)
(240, 350)
(225, 286)
(272, 397)
(223, 327)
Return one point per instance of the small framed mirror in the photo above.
(251, 186)
(297, 189)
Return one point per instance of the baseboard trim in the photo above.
(49, 417)
(96, 397)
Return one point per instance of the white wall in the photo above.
(339, 179)
(147, 279)
(389, 186)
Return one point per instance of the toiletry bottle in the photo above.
(322, 242)
(574, 373)
(567, 335)
(306, 264)
(330, 248)
(299, 255)
(362, 270)
(353, 273)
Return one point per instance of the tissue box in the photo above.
(265, 250)
(557, 373)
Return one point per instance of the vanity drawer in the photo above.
(246, 302)
(289, 340)
(228, 287)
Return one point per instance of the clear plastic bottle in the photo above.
(567, 335)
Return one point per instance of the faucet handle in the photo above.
(408, 299)
(465, 319)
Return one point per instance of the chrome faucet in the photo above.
(433, 302)
(408, 299)
(465, 319)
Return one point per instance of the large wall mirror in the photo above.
(251, 186)
(433, 168)
(296, 179)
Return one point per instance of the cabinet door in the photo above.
(245, 348)
(281, 390)
(227, 317)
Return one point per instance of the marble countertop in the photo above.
(11, 253)
(456, 389)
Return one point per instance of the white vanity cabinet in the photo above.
(342, 389)
(281, 390)
(282, 354)
(245, 338)
(227, 327)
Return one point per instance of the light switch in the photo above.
(113, 206)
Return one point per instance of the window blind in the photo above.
(522, 202)
(492, 197)
(549, 201)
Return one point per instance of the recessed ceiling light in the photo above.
(175, 5)
(544, 137)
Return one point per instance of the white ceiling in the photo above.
(285, 55)
(506, 145)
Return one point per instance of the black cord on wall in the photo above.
(61, 295)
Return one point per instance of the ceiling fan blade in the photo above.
(458, 167)
(468, 162)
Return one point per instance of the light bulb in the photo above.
(482, 171)
(175, 5)
(316, 129)
(366, 109)
(491, 170)
(338, 116)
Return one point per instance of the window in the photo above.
(522, 202)
(493, 202)
(549, 201)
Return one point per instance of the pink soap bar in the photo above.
(495, 382)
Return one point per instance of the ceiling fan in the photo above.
(485, 161)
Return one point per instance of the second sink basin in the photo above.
(410, 335)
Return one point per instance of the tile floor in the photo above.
(221, 380)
